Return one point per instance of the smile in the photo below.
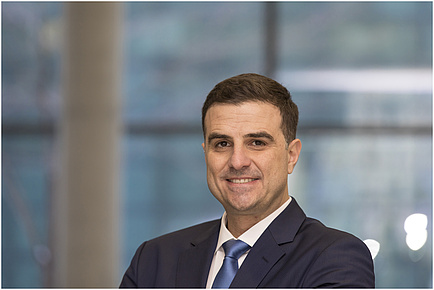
(241, 181)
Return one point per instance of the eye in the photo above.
(222, 144)
(258, 143)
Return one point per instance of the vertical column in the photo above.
(85, 206)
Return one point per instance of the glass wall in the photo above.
(30, 107)
(360, 72)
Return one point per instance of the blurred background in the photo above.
(101, 135)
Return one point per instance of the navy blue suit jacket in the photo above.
(293, 252)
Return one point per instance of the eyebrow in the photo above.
(261, 134)
(213, 136)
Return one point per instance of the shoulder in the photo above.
(180, 239)
(313, 226)
(154, 263)
(190, 234)
(341, 252)
(316, 230)
(294, 225)
(326, 239)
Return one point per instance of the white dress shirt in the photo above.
(249, 237)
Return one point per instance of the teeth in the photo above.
(246, 180)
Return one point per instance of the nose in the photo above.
(239, 158)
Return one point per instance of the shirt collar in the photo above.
(251, 235)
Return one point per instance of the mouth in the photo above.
(241, 180)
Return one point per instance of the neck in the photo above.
(239, 225)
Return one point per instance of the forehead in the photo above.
(243, 117)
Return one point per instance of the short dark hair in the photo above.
(257, 88)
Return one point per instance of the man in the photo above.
(249, 125)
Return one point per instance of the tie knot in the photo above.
(235, 248)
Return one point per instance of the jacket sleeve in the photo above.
(346, 263)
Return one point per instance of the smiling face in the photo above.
(247, 157)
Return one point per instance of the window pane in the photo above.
(355, 34)
(176, 51)
(30, 98)
(368, 185)
(26, 189)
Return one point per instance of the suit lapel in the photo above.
(194, 263)
(261, 258)
(267, 251)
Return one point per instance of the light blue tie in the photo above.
(233, 250)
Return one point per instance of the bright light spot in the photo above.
(415, 227)
(373, 246)
(415, 222)
(415, 241)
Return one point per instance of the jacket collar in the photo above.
(286, 225)
(267, 251)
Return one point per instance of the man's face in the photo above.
(247, 158)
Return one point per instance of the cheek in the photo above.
(214, 166)
(216, 161)
(277, 166)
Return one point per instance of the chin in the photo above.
(242, 207)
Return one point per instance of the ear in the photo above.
(204, 148)
(294, 149)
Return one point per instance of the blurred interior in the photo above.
(92, 167)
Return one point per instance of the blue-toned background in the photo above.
(361, 74)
